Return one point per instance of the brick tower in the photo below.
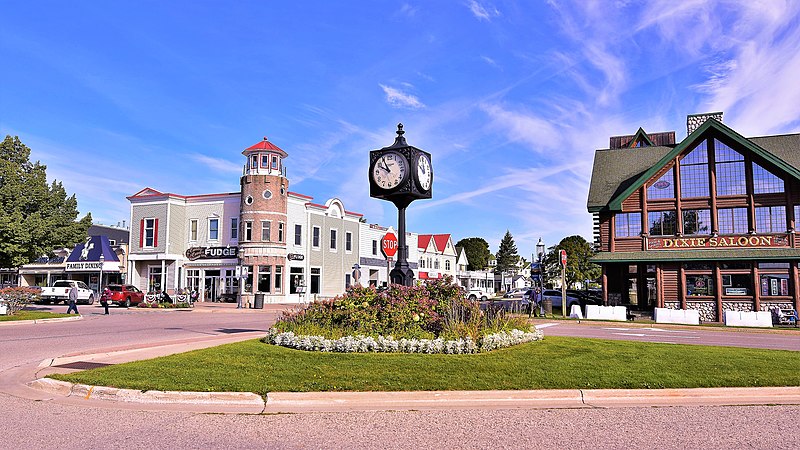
(262, 241)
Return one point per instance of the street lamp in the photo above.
(100, 283)
(540, 255)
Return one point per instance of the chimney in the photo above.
(693, 121)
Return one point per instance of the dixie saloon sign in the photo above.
(721, 242)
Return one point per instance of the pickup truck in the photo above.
(478, 294)
(59, 292)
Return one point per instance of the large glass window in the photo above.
(697, 221)
(264, 278)
(699, 285)
(661, 223)
(193, 280)
(770, 219)
(296, 282)
(773, 285)
(316, 274)
(737, 284)
(664, 187)
(154, 279)
(628, 225)
(732, 220)
(730, 170)
(694, 172)
(764, 182)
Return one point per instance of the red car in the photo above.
(122, 295)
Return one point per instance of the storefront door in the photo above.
(211, 284)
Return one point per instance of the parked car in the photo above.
(477, 294)
(122, 295)
(59, 292)
(515, 293)
(555, 296)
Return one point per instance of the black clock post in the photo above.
(400, 173)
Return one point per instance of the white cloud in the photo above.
(217, 164)
(482, 12)
(400, 99)
(540, 134)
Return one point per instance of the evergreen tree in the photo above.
(34, 218)
(477, 250)
(507, 256)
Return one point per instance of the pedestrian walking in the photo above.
(73, 299)
(104, 299)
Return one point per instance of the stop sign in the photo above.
(563, 257)
(389, 244)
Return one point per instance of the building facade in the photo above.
(707, 223)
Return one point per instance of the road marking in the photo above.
(617, 329)
(546, 325)
(632, 334)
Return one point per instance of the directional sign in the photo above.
(389, 244)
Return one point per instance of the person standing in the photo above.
(104, 299)
(73, 300)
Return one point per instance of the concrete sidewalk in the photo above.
(294, 402)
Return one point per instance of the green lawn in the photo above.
(32, 315)
(555, 363)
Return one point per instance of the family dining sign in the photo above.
(718, 242)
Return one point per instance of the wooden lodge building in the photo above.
(708, 223)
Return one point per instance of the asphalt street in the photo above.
(35, 421)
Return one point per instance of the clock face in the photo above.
(424, 172)
(389, 170)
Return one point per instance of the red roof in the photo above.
(423, 240)
(264, 145)
(441, 241)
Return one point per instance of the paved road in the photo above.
(786, 339)
(42, 423)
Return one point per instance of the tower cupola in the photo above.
(264, 158)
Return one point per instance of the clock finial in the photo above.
(400, 140)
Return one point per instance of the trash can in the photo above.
(259, 301)
(547, 305)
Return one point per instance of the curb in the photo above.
(295, 402)
(37, 321)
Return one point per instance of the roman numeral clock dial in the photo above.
(390, 170)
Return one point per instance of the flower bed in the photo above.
(381, 344)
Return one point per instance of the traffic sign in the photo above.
(563, 257)
(389, 244)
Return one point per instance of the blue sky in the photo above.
(510, 97)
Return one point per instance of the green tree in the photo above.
(36, 218)
(477, 250)
(507, 256)
(579, 267)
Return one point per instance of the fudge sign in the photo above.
(212, 252)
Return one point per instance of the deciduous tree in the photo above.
(477, 250)
(35, 217)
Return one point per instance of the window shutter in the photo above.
(141, 234)
(155, 234)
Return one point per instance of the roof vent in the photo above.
(693, 121)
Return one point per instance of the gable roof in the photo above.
(618, 173)
(423, 240)
(441, 241)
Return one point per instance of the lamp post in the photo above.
(540, 254)
(102, 260)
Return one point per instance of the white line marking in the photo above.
(546, 325)
(632, 334)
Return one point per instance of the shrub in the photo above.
(16, 298)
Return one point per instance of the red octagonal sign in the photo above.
(389, 244)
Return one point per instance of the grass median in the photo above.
(555, 363)
(32, 315)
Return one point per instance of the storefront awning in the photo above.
(739, 254)
(85, 257)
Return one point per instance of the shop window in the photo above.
(628, 224)
(732, 221)
(278, 279)
(248, 281)
(231, 282)
(697, 221)
(737, 284)
(729, 170)
(661, 223)
(773, 285)
(296, 281)
(235, 228)
(264, 278)
(154, 279)
(770, 219)
(765, 182)
(694, 172)
(699, 285)
(193, 280)
(664, 187)
(316, 274)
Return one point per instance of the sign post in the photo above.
(563, 254)
(389, 246)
